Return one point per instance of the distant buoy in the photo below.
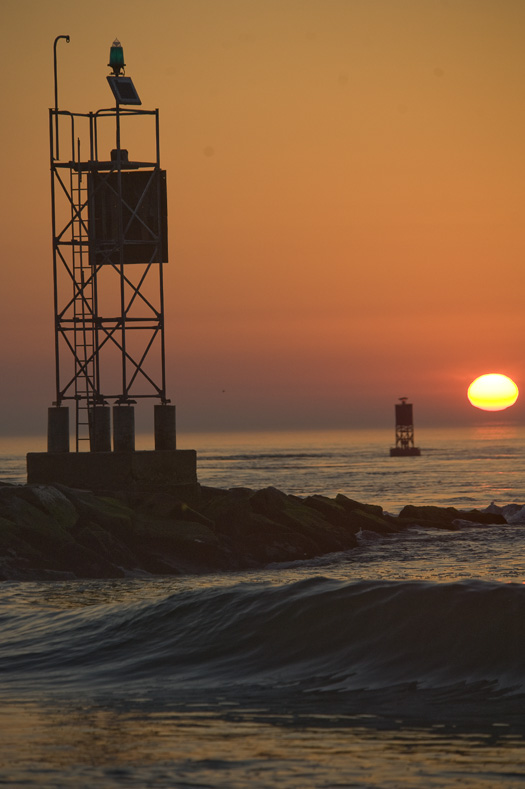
(404, 431)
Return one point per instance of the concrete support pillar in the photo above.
(123, 428)
(100, 428)
(165, 433)
(58, 429)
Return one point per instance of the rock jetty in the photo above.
(50, 532)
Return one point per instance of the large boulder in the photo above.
(294, 514)
(366, 517)
(175, 546)
(446, 517)
(332, 511)
(43, 531)
(350, 505)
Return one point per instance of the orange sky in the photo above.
(346, 201)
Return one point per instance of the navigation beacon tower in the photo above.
(109, 229)
(404, 431)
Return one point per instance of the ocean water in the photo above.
(400, 663)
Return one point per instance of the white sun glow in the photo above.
(493, 392)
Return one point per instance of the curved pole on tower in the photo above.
(57, 39)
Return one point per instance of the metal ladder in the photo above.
(84, 331)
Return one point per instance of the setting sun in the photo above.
(493, 392)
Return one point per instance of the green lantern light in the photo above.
(116, 58)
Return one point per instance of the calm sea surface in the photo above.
(400, 663)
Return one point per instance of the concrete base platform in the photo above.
(174, 470)
(399, 452)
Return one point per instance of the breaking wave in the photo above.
(317, 635)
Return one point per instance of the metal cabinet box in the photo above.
(128, 217)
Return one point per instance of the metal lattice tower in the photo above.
(109, 226)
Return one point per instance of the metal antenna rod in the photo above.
(57, 39)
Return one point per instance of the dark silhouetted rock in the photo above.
(52, 532)
(445, 517)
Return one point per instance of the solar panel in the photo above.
(124, 90)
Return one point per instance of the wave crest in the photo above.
(316, 634)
